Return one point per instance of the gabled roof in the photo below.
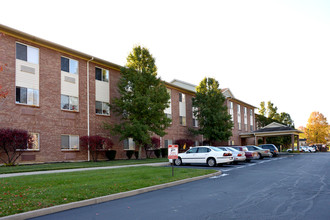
(272, 129)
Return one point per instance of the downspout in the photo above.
(88, 132)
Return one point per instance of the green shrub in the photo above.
(157, 152)
(164, 152)
(129, 154)
(111, 154)
(136, 154)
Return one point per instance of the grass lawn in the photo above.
(26, 193)
(72, 165)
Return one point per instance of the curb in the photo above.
(59, 208)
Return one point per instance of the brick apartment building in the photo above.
(59, 94)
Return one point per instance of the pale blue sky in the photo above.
(261, 50)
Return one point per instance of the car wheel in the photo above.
(260, 156)
(248, 160)
(211, 162)
(178, 162)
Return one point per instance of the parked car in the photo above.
(312, 149)
(262, 152)
(304, 149)
(273, 149)
(250, 155)
(239, 156)
(209, 155)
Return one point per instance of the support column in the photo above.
(292, 142)
(264, 140)
(298, 145)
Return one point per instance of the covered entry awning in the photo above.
(271, 130)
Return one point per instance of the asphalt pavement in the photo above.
(287, 187)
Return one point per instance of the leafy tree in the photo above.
(13, 143)
(270, 115)
(262, 109)
(96, 145)
(317, 128)
(142, 102)
(212, 114)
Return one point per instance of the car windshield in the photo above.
(250, 148)
(232, 149)
(259, 148)
(217, 149)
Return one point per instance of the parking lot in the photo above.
(286, 187)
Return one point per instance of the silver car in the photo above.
(239, 156)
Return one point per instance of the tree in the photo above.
(96, 145)
(317, 128)
(212, 114)
(262, 109)
(13, 144)
(142, 102)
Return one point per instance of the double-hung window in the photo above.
(129, 144)
(101, 74)
(167, 142)
(27, 96)
(245, 119)
(251, 120)
(69, 65)
(168, 110)
(231, 110)
(69, 103)
(102, 108)
(69, 142)
(182, 109)
(239, 119)
(35, 141)
(195, 121)
(27, 53)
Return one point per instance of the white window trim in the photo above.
(102, 75)
(70, 149)
(63, 109)
(27, 55)
(102, 108)
(69, 66)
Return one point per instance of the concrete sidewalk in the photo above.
(80, 169)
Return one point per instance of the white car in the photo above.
(312, 149)
(239, 156)
(209, 155)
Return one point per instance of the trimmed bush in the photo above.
(164, 152)
(136, 154)
(129, 154)
(111, 154)
(157, 152)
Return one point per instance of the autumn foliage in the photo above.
(317, 129)
(13, 143)
(96, 144)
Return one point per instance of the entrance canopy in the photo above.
(271, 130)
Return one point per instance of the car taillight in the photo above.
(239, 155)
(227, 154)
(275, 151)
(266, 151)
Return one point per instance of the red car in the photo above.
(250, 155)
